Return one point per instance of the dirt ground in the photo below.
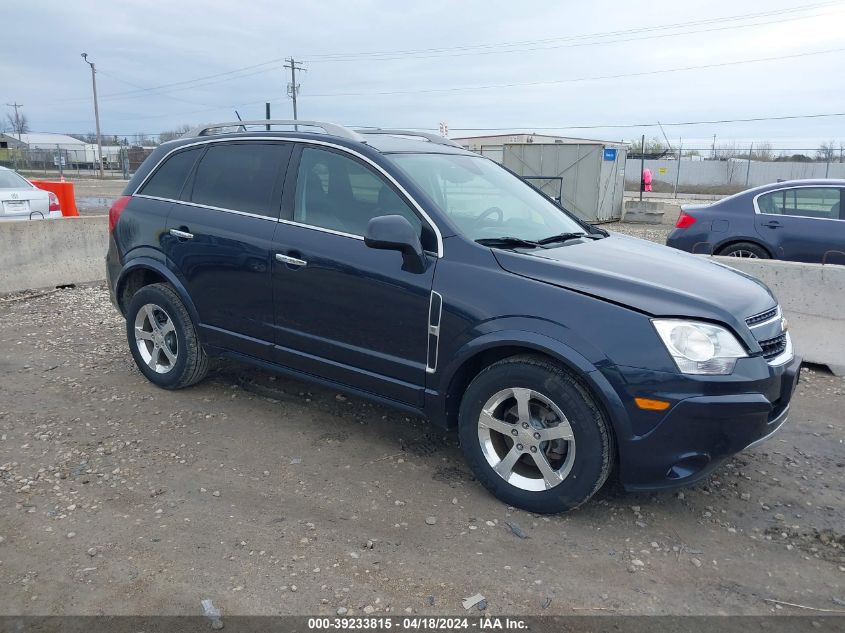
(270, 496)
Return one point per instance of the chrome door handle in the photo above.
(293, 261)
(182, 235)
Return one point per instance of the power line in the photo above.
(646, 29)
(262, 67)
(578, 79)
(575, 40)
(654, 124)
(515, 85)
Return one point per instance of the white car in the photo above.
(21, 200)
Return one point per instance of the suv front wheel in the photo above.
(162, 338)
(534, 436)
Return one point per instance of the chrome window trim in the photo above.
(352, 152)
(790, 188)
(778, 315)
(321, 229)
(208, 206)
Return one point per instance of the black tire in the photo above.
(191, 362)
(742, 249)
(593, 439)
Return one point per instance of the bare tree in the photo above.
(169, 135)
(762, 150)
(826, 152)
(726, 151)
(17, 122)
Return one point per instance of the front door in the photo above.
(803, 224)
(344, 311)
(219, 242)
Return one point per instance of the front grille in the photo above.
(762, 317)
(773, 347)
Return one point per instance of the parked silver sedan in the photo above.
(21, 200)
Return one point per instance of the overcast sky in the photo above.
(479, 64)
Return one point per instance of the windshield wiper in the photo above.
(506, 242)
(563, 237)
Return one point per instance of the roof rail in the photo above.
(328, 128)
(432, 138)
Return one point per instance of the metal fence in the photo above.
(118, 161)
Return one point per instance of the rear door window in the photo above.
(240, 176)
(803, 202)
(167, 181)
(338, 193)
(813, 202)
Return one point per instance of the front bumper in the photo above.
(712, 418)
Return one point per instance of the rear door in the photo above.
(219, 239)
(802, 224)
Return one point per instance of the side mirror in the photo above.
(395, 233)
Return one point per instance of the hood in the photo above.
(648, 277)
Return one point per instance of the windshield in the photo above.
(10, 180)
(484, 200)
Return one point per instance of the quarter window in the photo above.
(168, 180)
(804, 202)
(339, 193)
(240, 176)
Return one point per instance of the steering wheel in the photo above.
(488, 212)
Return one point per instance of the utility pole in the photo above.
(96, 114)
(17, 105)
(293, 87)
(714, 147)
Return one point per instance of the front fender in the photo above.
(160, 268)
(587, 369)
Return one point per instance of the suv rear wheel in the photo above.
(162, 338)
(534, 436)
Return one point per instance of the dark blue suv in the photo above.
(396, 266)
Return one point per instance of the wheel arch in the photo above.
(738, 240)
(144, 271)
(473, 357)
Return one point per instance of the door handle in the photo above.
(182, 235)
(293, 261)
(773, 224)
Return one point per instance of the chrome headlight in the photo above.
(699, 348)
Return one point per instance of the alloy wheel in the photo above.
(155, 336)
(526, 439)
(742, 253)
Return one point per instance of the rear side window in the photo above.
(804, 202)
(168, 180)
(240, 176)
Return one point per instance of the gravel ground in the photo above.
(652, 232)
(270, 496)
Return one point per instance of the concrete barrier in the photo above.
(50, 253)
(813, 300)
(651, 211)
